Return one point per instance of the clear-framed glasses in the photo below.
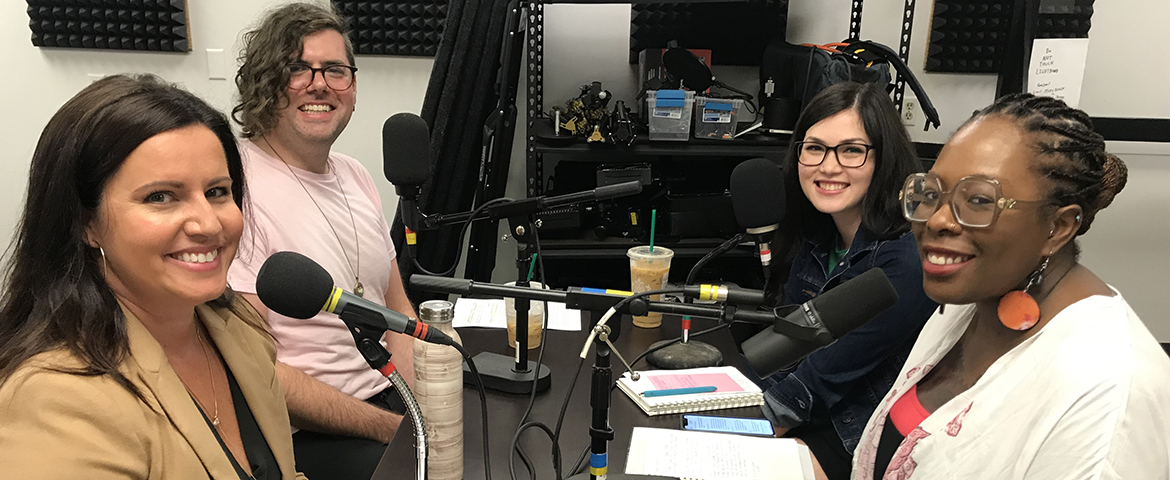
(337, 77)
(850, 155)
(976, 201)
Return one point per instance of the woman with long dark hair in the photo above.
(123, 353)
(845, 165)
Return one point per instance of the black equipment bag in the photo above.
(801, 71)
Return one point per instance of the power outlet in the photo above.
(912, 116)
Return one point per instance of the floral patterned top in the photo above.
(1084, 398)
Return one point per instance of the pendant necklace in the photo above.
(358, 289)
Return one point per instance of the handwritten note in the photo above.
(716, 456)
(1057, 68)
(721, 381)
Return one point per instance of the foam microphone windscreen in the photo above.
(757, 193)
(687, 67)
(406, 150)
(293, 285)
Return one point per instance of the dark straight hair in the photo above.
(55, 295)
(894, 159)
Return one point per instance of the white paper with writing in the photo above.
(1057, 68)
(716, 456)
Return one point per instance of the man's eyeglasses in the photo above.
(337, 77)
(849, 155)
(976, 201)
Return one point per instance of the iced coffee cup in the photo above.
(535, 318)
(648, 271)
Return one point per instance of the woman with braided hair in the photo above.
(1032, 367)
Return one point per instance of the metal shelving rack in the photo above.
(583, 249)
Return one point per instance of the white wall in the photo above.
(40, 80)
(1127, 245)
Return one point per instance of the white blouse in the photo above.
(1087, 397)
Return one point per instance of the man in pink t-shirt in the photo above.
(297, 89)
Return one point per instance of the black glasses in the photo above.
(976, 201)
(337, 77)
(849, 155)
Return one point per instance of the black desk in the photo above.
(561, 356)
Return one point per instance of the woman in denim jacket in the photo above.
(849, 157)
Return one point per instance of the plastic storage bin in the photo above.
(716, 117)
(669, 114)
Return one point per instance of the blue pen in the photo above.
(677, 391)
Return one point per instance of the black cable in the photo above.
(462, 235)
(487, 461)
(524, 460)
(561, 416)
(580, 465)
(720, 250)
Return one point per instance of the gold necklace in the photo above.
(215, 398)
(210, 378)
(357, 287)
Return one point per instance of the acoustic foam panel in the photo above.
(736, 33)
(395, 28)
(151, 25)
(969, 36)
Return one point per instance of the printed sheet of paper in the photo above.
(716, 456)
(1057, 68)
(489, 313)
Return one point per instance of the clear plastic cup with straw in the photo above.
(649, 270)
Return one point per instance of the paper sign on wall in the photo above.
(1057, 68)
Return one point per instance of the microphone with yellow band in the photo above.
(295, 286)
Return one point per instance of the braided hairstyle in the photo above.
(1071, 154)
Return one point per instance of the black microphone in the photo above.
(688, 68)
(757, 197)
(295, 286)
(820, 321)
(695, 75)
(406, 162)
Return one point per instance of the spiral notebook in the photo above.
(733, 390)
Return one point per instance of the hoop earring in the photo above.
(105, 265)
(1018, 310)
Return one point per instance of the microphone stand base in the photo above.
(692, 354)
(497, 373)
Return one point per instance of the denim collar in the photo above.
(863, 243)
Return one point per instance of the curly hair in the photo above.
(276, 41)
(1069, 152)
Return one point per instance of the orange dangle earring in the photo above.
(1018, 310)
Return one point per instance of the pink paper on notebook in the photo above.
(721, 381)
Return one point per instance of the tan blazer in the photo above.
(62, 426)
